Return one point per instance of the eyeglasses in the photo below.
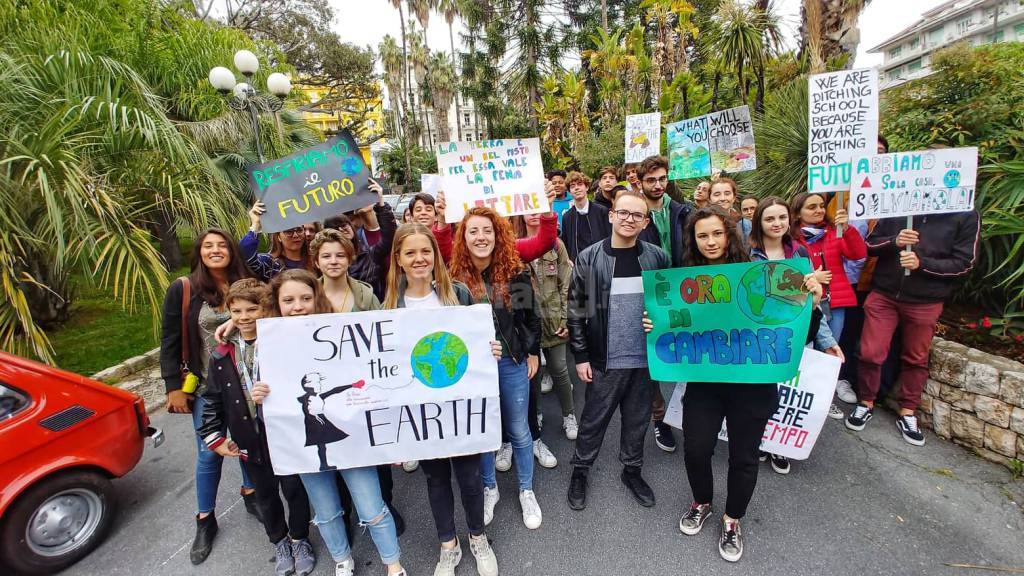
(294, 232)
(652, 180)
(626, 215)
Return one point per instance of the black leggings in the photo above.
(442, 499)
(269, 502)
(746, 409)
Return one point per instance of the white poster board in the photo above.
(505, 175)
(803, 407)
(914, 183)
(643, 136)
(430, 184)
(368, 388)
(842, 123)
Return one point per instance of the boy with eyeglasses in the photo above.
(606, 305)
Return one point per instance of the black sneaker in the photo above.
(578, 489)
(907, 426)
(730, 543)
(398, 518)
(663, 437)
(780, 464)
(859, 417)
(691, 522)
(638, 486)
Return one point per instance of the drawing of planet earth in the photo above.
(771, 294)
(952, 179)
(439, 359)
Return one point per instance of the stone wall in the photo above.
(976, 400)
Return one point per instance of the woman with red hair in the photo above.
(485, 259)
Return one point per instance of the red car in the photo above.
(63, 437)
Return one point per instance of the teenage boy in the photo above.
(666, 229)
(607, 178)
(232, 425)
(585, 222)
(630, 173)
(608, 342)
(943, 249)
(562, 201)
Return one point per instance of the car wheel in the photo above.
(57, 522)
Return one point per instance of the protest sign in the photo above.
(643, 136)
(430, 184)
(313, 184)
(506, 175)
(731, 135)
(368, 388)
(689, 155)
(843, 123)
(710, 320)
(717, 141)
(804, 401)
(913, 183)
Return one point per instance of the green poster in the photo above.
(711, 321)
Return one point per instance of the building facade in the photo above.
(908, 54)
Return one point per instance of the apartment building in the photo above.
(907, 55)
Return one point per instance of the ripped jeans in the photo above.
(364, 485)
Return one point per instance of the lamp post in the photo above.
(244, 97)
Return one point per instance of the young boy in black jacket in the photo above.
(229, 409)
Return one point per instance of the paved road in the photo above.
(864, 504)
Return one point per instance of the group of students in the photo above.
(565, 281)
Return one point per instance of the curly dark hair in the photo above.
(735, 252)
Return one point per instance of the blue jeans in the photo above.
(364, 485)
(514, 387)
(836, 322)
(208, 465)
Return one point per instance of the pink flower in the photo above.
(985, 322)
(972, 325)
(1019, 337)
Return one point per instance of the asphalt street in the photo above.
(864, 503)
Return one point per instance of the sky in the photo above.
(372, 19)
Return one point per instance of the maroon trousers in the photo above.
(882, 315)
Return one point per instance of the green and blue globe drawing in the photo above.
(439, 359)
(771, 294)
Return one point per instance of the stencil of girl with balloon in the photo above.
(319, 430)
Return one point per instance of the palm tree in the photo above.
(422, 10)
(450, 10)
(829, 31)
(739, 42)
(391, 58)
(443, 83)
(405, 58)
(419, 58)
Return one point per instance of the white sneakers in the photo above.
(491, 497)
(572, 429)
(345, 567)
(543, 455)
(845, 392)
(449, 560)
(531, 509)
(486, 563)
(503, 459)
(410, 465)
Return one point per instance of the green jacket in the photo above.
(363, 297)
(550, 274)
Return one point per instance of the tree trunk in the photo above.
(165, 230)
(759, 102)
(408, 94)
(604, 15)
(739, 81)
(458, 74)
(714, 90)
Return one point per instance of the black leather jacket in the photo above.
(588, 298)
(518, 325)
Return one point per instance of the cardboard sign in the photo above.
(804, 401)
(313, 184)
(430, 184)
(643, 136)
(368, 388)
(712, 321)
(843, 123)
(506, 175)
(913, 183)
(723, 140)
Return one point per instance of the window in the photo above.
(465, 119)
(915, 43)
(962, 26)
(935, 36)
(997, 37)
(894, 53)
(1019, 28)
(914, 66)
(12, 401)
(893, 75)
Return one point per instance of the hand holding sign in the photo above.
(907, 237)
(256, 215)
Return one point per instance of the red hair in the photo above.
(505, 262)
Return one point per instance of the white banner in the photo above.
(368, 388)
(506, 175)
(803, 407)
(912, 183)
(842, 123)
(643, 136)
(430, 184)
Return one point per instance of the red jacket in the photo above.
(529, 248)
(833, 249)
